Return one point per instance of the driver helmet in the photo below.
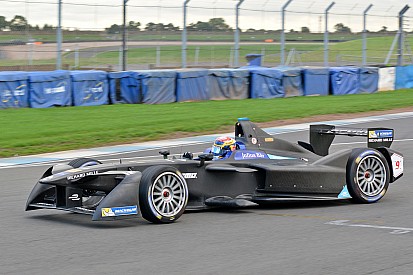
(222, 146)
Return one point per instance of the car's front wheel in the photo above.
(163, 194)
(368, 175)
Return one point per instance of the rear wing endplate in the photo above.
(322, 135)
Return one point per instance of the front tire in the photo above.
(163, 194)
(368, 175)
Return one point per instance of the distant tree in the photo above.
(171, 27)
(134, 26)
(18, 23)
(47, 27)
(200, 26)
(383, 29)
(3, 23)
(251, 30)
(305, 30)
(35, 28)
(341, 28)
(114, 29)
(218, 24)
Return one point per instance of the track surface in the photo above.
(287, 238)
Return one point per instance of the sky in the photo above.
(257, 14)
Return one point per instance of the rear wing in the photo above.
(322, 135)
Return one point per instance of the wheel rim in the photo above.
(371, 176)
(168, 194)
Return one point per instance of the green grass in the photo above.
(378, 48)
(30, 131)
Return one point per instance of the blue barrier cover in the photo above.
(369, 79)
(192, 85)
(129, 87)
(47, 89)
(158, 86)
(404, 77)
(344, 80)
(89, 88)
(316, 81)
(291, 81)
(228, 83)
(14, 91)
(265, 82)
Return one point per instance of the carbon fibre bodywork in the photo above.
(268, 169)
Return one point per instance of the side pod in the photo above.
(122, 202)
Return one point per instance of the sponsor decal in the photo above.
(281, 157)
(190, 175)
(120, 211)
(344, 194)
(57, 90)
(397, 163)
(94, 92)
(254, 141)
(241, 155)
(381, 134)
(74, 197)
(269, 139)
(82, 175)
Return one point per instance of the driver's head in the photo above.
(222, 146)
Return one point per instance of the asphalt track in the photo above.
(286, 238)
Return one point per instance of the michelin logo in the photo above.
(120, 211)
(381, 134)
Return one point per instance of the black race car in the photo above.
(263, 170)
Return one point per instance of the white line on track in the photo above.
(394, 230)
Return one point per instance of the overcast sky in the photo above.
(258, 14)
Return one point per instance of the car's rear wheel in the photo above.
(163, 194)
(368, 175)
(89, 199)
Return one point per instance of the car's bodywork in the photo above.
(268, 169)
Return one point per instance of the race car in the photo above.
(260, 169)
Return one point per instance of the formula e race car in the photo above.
(262, 170)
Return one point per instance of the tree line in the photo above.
(20, 23)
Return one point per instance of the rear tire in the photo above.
(163, 194)
(368, 175)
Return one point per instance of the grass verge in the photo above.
(32, 131)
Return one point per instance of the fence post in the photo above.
(283, 32)
(401, 36)
(236, 53)
(365, 35)
(184, 38)
(124, 48)
(326, 35)
(59, 37)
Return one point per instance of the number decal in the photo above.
(397, 162)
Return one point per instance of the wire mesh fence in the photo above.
(92, 33)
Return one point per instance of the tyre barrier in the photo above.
(89, 88)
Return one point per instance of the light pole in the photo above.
(364, 63)
(283, 32)
(184, 38)
(326, 34)
(236, 52)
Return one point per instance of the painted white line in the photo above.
(394, 230)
